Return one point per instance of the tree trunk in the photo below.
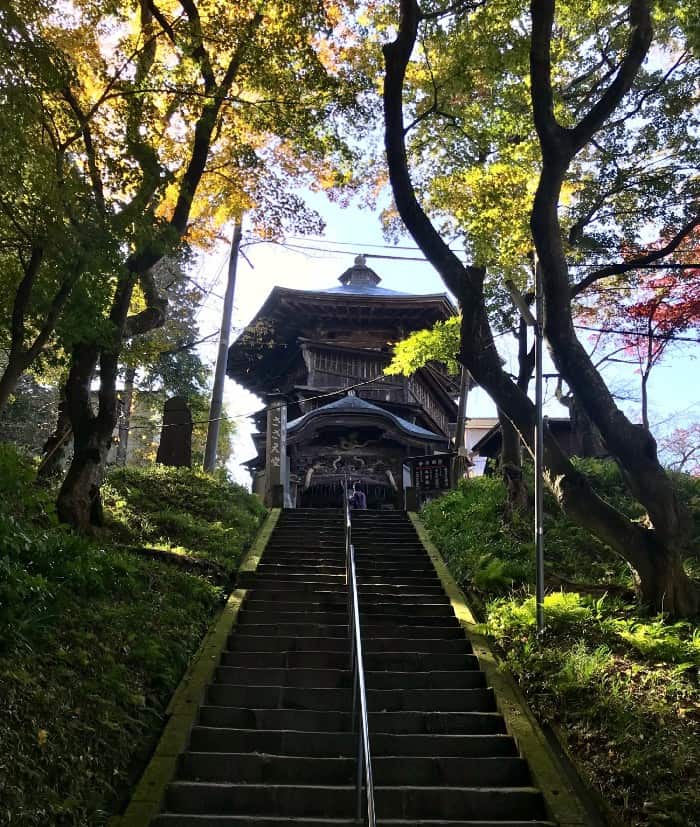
(511, 467)
(79, 503)
(125, 417)
(511, 448)
(650, 552)
(645, 399)
(58, 444)
(8, 380)
(632, 445)
(586, 440)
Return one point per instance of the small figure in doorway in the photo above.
(358, 498)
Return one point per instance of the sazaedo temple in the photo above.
(302, 352)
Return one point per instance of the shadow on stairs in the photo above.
(273, 744)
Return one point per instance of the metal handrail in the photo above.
(359, 692)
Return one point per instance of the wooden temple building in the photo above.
(317, 358)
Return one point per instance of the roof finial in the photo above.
(360, 276)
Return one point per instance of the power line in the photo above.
(364, 245)
(368, 255)
(359, 247)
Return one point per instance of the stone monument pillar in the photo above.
(176, 434)
(276, 451)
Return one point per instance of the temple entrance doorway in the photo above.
(330, 494)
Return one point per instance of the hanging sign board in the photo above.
(431, 473)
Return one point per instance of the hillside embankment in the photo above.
(617, 686)
(95, 633)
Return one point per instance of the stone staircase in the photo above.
(273, 746)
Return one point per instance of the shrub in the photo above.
(94, 638)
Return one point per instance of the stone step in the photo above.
(269, 768)
(291, 566)
(336, 534)
(388, 561)
(339, 699)
(189, 820)
(344, 743)
(326, 801)
(288, 573)
(386, 661)
(384, 536)
(380, 540)
(387, 573)
(321, 580)
(274, 742)
(390, 565)
(437, 617)
(252, 643)
(319, 721)
(304, 590)
(431, 593)
(299, 543)
(342, 678)
(314, 570)
(369, 631)
(368, 606)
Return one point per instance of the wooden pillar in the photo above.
(276, 451)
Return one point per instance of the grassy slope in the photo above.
(619, 687)
(93, 638)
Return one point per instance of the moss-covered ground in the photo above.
(618, 686)
(94, 637)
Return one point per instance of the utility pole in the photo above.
(537, 323)
(217, 394)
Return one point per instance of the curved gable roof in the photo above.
(354, 405)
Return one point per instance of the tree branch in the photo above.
(632, 264)
(160, 17)
(93, 168)
(205, 126)
(553, 137)
(22, 297)
(396, 57)
(640, 41)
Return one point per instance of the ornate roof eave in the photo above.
(353, 409)
(254, 358)
(288, 295)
